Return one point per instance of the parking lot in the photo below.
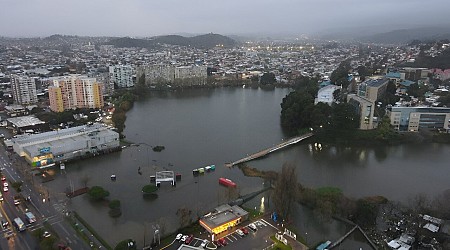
(255, 239)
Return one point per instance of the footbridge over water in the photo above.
(270, 150)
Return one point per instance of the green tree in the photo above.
(296, 109)
(417, 90)
(268, 78)
(97, 193)
(286, 190)
(339, 76)
(149, 188)
(366, 213)
(321, 116)
(344, 116)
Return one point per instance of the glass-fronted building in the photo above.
(419, 118)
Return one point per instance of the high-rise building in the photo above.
(75, 91)
(121, 76)
(24, 89)
(155, 74)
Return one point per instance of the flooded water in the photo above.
(214, 126)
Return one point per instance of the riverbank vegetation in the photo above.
(254, 172)
(114, 208)
(98, 193)
(158, 148)
(326, 202)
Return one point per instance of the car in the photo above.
(3, 178)
(252, 226)
(184, 238)
(204, 243)
(217, 243)
(260, 223)
(239, 231)
(189, 239)
(178, 236)
(244, 230)
(5, 184)
(5, 189)
(5, 224)
(222, 241)
(46, 234)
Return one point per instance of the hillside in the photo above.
(404, 36)
(202, 41)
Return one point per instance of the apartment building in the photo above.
(23, 89)
(121, 76)
(75, 91)
(158, 73)
(373, 89)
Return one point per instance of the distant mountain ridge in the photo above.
(201, 41)
(403, 36)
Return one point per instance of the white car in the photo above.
(46, 234)
(183, 239)
(178, 236)
(5, 189)
(252, 227)
(239, 231)
(5, 184)
(204, 243)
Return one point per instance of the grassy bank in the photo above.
(254, 172)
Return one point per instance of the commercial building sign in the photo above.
(44, 150)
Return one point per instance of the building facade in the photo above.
(223, 218)
(121, 76)
(23, 89)
(373, 89)
(46, 149)
(158, 73)
(75, 91)
(419, 118)
(365, 108)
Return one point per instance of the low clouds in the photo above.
(153, 17)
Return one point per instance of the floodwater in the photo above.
(214, 126)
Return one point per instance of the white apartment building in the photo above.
(24, 89)
(121, 76)
(159, 73)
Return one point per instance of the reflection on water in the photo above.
(204, 127)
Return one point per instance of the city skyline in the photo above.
(150, 18)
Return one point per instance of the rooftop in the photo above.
(25, 121)
(223, 214)
(376, 82)
(55, 135)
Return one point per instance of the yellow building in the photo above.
(223, 218)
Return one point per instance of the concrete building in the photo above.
(158, 73)
(325, 94)
(27, 124)
(46, 149)
(75, 91)
(23, 89)
(223, 218)
(365, 108)
(373, 89)
(121, 76)
(419, 118)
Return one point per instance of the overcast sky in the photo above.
(29, 18)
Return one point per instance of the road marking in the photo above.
(269, 224)
(228, 239)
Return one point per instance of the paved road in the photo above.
(52, 211)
